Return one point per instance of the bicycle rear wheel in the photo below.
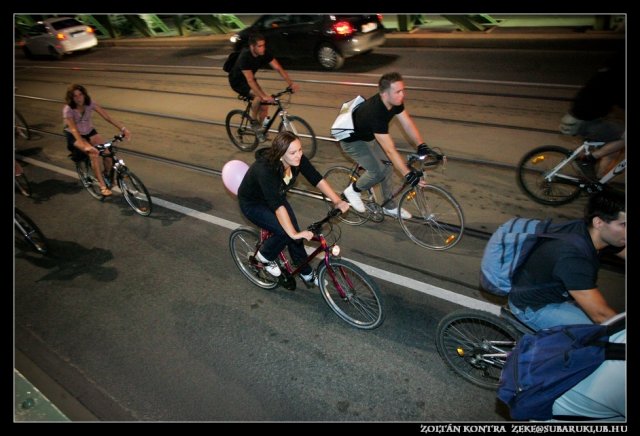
(88, 179)
(30, 232)
(437, 221)
(339, 178)
(302, 130)
(361, 307)
(135, 193)
(565, 185)
(240, 131)
(21, 126)
(475, 344)
(243, 244)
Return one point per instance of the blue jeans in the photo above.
(551, 315)
(263, 217)
(370, 156)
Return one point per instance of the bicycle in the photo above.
(350, 292)
(241, 133)
(26, 228)
(437, 220)
(134, 191)
(22, 182)
(475, 344)
(552, 175)
(21, 127)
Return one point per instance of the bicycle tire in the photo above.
(302, 130)
(88, 179)
(536, 163)
(22, 128)
(239, 130)
(362, 307)
(30, 232)
(474, 344)
(134, 192)
(437, 220)
(22, 182)
(339, 178)
(243, 244)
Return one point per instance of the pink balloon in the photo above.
(232, 174)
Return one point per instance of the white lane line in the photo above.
(378, 273)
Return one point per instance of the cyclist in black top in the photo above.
(243, 80)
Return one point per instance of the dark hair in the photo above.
(279, 147)
(69, 96)
(605, 205)
(255, 37)
(387, 79)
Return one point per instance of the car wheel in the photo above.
(329, 58)
(54, 53)
(27, 53)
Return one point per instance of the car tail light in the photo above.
(61, 36)
(379, 17)
(343, 28)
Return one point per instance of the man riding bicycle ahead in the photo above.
(371, 144)
(243, 80)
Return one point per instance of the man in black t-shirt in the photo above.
(243, 80)
(371, 144)
(557, 283)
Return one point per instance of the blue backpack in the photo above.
(544, 365)
(511, 244)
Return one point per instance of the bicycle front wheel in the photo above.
(437, 221)
(21, 126)
(302, 130)
(30, 232)
(475, 344)
(563, 188)
(351, 294)
(240, 131)
(339, 178)
(243, 244)
(88, 179)
(135, 193)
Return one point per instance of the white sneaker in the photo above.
(394, 213)
(270, 266)
(312, 279)
(354, 198)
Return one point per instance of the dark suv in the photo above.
(327, 38)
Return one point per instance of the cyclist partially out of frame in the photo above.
(263, 200)
(589, 116)
(242, 76)
(371, 144)
(81, 133)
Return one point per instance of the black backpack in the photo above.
(231, 61)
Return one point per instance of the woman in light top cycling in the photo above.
(81, 133)
(263, 200)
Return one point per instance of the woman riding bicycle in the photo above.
(263, 200)
(81, 133)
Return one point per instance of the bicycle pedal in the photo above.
(287, 282)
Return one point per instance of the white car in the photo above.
(58, 36)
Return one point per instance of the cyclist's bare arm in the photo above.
(80, 141)
(410, 127)
(253, 84)
(285, 221)
(385, 141)
(276, 66)
(327, 190)
(104, 114)
(593, 304)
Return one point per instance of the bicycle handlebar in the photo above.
(105, 146)
(315, 227)
(437, 156)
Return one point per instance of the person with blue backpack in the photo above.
(556, 284)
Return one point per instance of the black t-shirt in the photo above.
(554, 267)
(246, 61)
(264, 183)
(372, 117)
